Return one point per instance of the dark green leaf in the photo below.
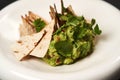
(79, 33)
(64, 48)
(97, 30)
(72, 20)
(39, 24)
(93, 22)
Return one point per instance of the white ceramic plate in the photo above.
(101, 64)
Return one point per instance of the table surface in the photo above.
(115, 3)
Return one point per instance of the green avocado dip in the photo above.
(72, 39)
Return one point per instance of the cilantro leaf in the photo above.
(93, 22)
(39, 24)
(97, 30)
(64, 48)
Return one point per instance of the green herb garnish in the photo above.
(97, 30)
(39, 24)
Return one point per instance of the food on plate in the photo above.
(66, 39)
(26, 44)
(41, 49)
(32, 23)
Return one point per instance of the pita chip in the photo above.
(26, 44)
(42, 47)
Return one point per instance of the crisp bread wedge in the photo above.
(42, 47)
(27, 27)
(26, 44)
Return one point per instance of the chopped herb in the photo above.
(97, 30)
(39, 24)
(66, 50)
(93, 22)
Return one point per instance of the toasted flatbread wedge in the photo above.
(42, 47)
(71, 10)
(26, 44)
(27, 27)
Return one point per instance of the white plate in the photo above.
(101, 64)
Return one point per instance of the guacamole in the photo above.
(74, 39)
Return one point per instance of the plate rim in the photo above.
(4, 11)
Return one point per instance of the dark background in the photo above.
(115, 3)
(3, 3)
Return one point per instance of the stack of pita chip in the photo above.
(36, 44)
(30, 42)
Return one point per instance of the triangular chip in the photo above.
(42, 47)
(26, 28)
(26, 44)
